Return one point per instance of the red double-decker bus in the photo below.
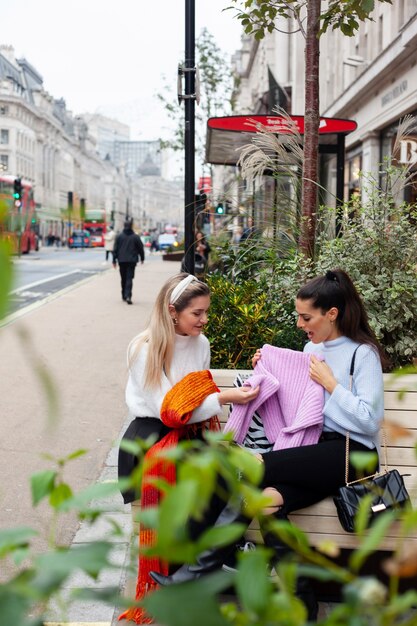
(95, 223)
(19, 224)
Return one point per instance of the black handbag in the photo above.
(384, 490)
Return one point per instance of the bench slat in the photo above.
(349, 541)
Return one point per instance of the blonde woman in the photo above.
(166, 356)
(169, 348)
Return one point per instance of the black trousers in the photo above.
(308, 474)
(127, 274)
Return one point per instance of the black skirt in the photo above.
(139, 428)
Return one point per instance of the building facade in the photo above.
(370, 78)
(88, 156)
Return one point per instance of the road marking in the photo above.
(44, 280)
(35, 305)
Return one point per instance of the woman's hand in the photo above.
(321, 373)
(238, 395)
(256, 357)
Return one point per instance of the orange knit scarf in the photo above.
(177, 408)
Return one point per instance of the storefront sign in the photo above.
(394, 93)
(278, 124)
(406, 154)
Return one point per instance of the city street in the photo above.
(79, 338)
(47, 271)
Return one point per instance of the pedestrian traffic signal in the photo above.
(17, 192)
(221, 208)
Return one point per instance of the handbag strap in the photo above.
(384, 435)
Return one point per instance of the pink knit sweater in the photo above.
(289, 402)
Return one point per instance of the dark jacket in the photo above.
(128, 247)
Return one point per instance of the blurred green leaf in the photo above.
(190, 604)
(60, 494)
(6, 276)
(253, 583)
(42, 484)
(15, 608)
(364, 462)
(13, 538)
(370, 542)
(218, 536)
(83, 499)
(53, 568)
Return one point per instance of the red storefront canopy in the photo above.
(226, 136)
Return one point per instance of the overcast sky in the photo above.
(108, 56)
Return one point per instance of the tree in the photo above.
(216, 82)
(258, 17)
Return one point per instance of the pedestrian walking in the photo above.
(168, 368)
(128, 247)
(154, 240)
(109, 238)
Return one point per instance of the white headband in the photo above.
(181, 287)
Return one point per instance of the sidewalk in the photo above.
(149, 279)
(80, 338)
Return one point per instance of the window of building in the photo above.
(400, 13)
(4, 135)
(4, 162)
(4, 110)
(380, 33)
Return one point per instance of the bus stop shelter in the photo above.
(226, 136)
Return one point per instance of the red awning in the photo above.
(226, 136)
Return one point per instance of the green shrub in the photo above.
(254, 289)
(252, 304)
(379, 250)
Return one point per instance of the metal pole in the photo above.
(189, 138)
(340, 181)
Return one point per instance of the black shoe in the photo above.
(128, 300)
(230, 564)
(124, 299)
(182, 575)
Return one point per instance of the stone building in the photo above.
(44, 144)
(370, 78)
(88, 156)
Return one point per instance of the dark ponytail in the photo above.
(336, 289)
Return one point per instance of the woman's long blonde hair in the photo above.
(160, 332)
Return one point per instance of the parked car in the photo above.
(166, 241)
(79, 239)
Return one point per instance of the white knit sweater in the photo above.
(191, 354)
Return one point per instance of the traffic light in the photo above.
(200, 202)
(220, 208)
(17, 192)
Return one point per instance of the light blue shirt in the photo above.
(360, 411)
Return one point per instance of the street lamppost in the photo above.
(189, 70)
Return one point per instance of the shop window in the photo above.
(354, 168)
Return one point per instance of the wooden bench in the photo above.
(320, 521)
